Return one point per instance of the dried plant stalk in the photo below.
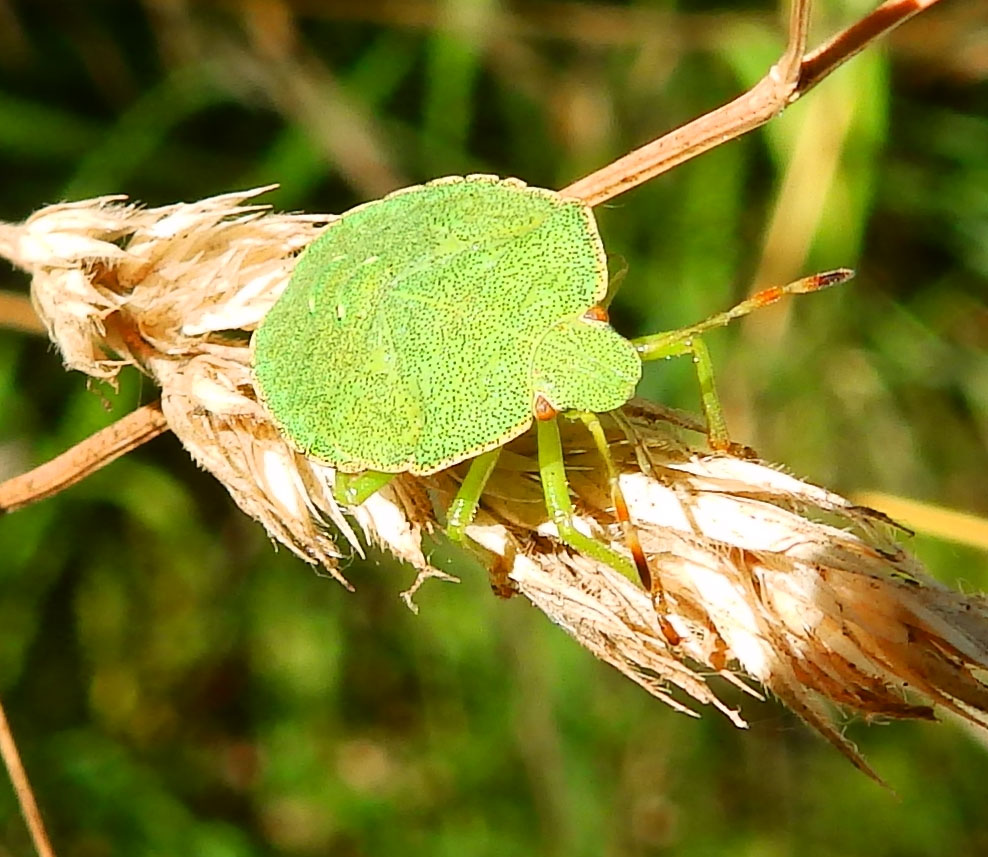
(22, 787)
(789, 583)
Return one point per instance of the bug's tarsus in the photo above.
(673, 637)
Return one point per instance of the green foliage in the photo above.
(179, 687)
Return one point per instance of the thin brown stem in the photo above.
(85, 457)
(794, 74)
(17, 313)
(22, 787)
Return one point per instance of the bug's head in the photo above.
(583, 364)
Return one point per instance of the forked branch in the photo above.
(794, 74)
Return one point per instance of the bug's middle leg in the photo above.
(556, 489)
(651, 582)
(631, 540)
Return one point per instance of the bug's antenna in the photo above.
(658, 345)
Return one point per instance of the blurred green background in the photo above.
(180, 687)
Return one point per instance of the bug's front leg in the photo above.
(686, 340)
(555, 486)
(673, 344)
(463, 509)
(351, 489)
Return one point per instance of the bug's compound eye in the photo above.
(597, 313)
(543, 410)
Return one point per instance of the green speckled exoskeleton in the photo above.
(433, 326)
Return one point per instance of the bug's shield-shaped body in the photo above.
(418, 330)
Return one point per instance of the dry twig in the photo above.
(86, 457)
(17, 314)
(22, 787)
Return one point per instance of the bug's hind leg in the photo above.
(560, 507)
(686, 340)
(464, 506)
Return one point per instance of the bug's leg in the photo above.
(651, 582)
(593, 424)
(686, 340)
(560, 507)
(464, 506)
(713, 413)
(351, 489)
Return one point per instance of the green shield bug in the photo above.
(434, 325)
